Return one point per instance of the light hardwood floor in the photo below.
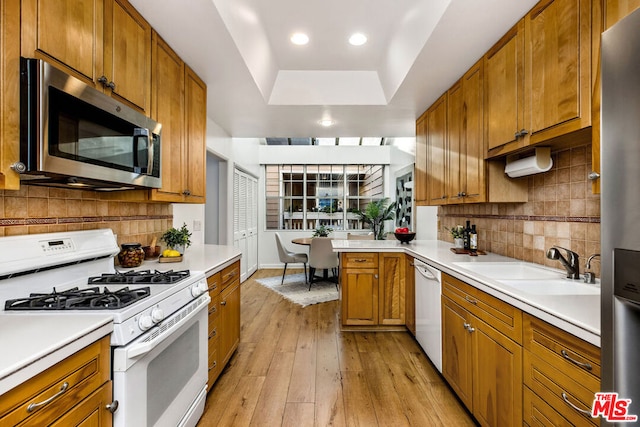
(295, 367)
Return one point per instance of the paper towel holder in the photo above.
(540, 162)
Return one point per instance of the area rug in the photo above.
(296, 290)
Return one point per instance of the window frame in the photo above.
(310, 217)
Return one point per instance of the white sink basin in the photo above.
(553, 287)
(510, 270)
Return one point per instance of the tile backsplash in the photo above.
(561, 211)
(34, 209)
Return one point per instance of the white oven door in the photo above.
(158, 379)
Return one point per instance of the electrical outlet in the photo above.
(197, 225)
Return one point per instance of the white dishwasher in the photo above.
(428, 311)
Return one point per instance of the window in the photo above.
(303, 197)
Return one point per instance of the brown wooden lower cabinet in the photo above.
(560, 370)
(510, 368)
(481, 353)
(224, 318)
(81, 402)
(410, 298)
(373, 288)
(483, 366)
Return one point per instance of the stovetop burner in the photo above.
(76, 299)
(141, 277)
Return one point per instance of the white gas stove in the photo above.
(164, 323)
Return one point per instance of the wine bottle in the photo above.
(465, 235)
(473, 239)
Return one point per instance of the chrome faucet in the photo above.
(572, 265)
(589, 276)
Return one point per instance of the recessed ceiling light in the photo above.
(358, 39)
(326, 122)
(299, 38)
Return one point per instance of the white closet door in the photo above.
(245, 221)
(252, 225)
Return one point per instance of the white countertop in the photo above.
(32, 343)
(207, 258)
(576, 314)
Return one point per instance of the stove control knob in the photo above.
(157, 315)
(145, 322)
(199, 289)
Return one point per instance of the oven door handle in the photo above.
(146, 346)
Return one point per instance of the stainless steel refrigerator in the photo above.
(620, 208)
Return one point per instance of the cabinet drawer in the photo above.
(569, 396)
(230, 273)
(92, 411)
(82, 372)
(569, 354)
(213, 318)
(496, 313)
(214, 284)
(360, 260)
(537, 412)
(213, 365)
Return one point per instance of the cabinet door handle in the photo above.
(583, 365)
(213, 288)
(359, 260)
(112, 86)
(223, 303)
(32, 407)
(113, 406)
(103, 80)
(470, 300)
(566, 400)
(375, 276)
(213, 333)
(212, 367)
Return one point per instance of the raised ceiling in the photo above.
(261, 85)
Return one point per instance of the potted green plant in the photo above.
(178, 239)
(322, 231)
(457, 235)
(376, 213)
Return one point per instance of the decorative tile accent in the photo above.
(561, 211)
(34, 209)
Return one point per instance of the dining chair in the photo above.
(287, 256)
(322, 257)
(351, 236)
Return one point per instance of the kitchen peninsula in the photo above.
(512, 350)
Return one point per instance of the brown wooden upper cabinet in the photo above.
(437, 152)
(179, 103)
(538, 77)
(106, 43)
(9, 92)
(452, 134)
(605, 14)
(420, 179)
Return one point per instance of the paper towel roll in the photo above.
(540, 162)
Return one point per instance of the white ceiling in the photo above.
(261, 85)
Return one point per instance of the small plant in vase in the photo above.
(177, 239)
(457, 235)
(322, 231)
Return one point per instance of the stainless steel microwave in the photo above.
(72, 135)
